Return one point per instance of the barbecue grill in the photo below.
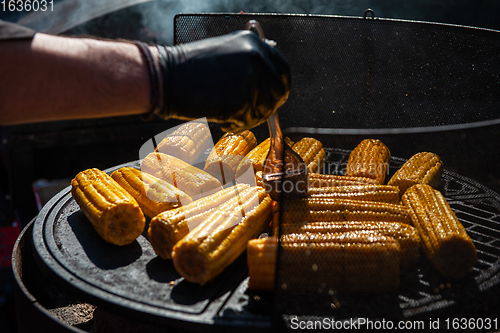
(416, 86)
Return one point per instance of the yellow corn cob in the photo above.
(320, 180)
(111, 210)
(258, 179)
(347, 262)
(421, 168)
(369, 159)
(227, 154)
(326, 209)
(220, 239)
(187, 142)
(312, 152)
(152, 194)
(169, 227)
(444, 239)
(380, 193)
(257, 156)
(255, 160)
(194, 182)
(404, 234)
(317, 180)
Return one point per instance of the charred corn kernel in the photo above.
(111, 210)
(320, 180)
(444, 239)
(380, 193)
(261, 261)
(215, 243)
(406, 235)
(346, 262)
(369, 159)
(421, 168)
(169, 227)
(227, 154)
(194, 182)
(327, 209)
(312, 152)
(188, 142)
(152, 194)
(317, 180)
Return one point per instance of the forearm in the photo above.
(54, 78)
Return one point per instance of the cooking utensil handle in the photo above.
(277, 142)
(254, 24)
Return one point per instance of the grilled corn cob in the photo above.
(320, 180)
(258, 155)
(380, 193)
(194, 182)
(404, 234)
(312, 152)
(219, 240)
(317, 180)
(187, 142)
(169, 227)
(227, 154)
(111, 210)
(261, 261)
(421, 168)
(254, 161)
(326, 209)
(152, 194)
(369, 159)
(444, 239)
(347, 262)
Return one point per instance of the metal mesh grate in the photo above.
(364, 73)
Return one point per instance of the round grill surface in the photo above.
(132, 279)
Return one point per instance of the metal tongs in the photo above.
(284, 171)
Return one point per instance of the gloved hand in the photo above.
(235, 79)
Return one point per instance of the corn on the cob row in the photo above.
(194, 182)
(320, 180)
(380, 193)
(406, 235)
(369, 159)
(187, 142)
(326, 209)
(227, 154)
(444, 239)
(346, 262)
(169, 227)
(421, 168)
(113, 212)
(219, 240)
(152, 194)
(312, 152)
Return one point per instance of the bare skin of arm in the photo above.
(59, 78)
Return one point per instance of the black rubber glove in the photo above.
(235, 79)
